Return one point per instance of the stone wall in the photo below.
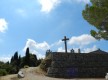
(74, 65)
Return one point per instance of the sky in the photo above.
(41, 24)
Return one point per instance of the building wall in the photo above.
(71, 65)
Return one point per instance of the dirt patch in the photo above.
(35, 73)
(14, 78)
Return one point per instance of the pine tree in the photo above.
(96, 13)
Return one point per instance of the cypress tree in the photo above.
(12, 59)
(27, 57)
(16, 56)
(35, 57)
(19, 60)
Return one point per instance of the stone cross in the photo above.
(65, 41)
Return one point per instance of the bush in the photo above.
(3, 72)
(26, 66)
(46, 63)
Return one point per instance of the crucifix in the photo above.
(65, 41)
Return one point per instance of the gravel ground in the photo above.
(33, 73)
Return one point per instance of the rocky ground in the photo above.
(35, 73)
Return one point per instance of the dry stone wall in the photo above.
(77, 65)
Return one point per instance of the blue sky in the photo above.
(41, 24)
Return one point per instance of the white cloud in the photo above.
(60, 49)
(83, 50)
(82, 40)
(48, 5)
(37, 48)
(87, 50)
(75, 42)
(78, 41)
(3, 25)
(57, 43)
(21, 12)
(5, 59)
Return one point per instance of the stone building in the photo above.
(79, 65)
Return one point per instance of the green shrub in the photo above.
(3, 72)
(46, 63)
(14, 70)
(26, 66)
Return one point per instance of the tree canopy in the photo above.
(27, 57)
(96, 13)
(17, 62)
